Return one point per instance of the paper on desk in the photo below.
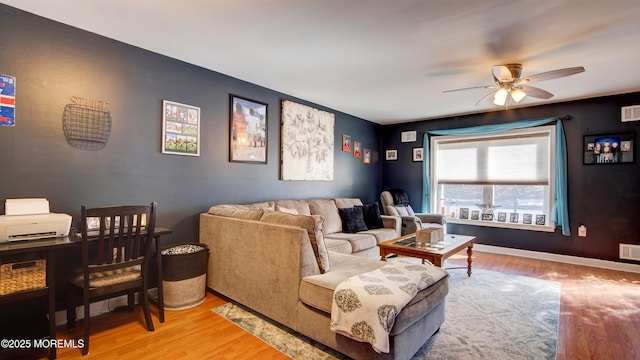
(26, 206)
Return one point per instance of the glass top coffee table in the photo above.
(435, 253)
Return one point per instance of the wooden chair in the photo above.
(114, 260)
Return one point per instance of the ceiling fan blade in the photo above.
(554, 74)
(536, 92)
(473, 87)
(486, 96)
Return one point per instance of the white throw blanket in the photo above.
(365, 306)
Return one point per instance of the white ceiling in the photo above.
(386, 61)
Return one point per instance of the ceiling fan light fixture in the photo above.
(517, 95)
(500, 97)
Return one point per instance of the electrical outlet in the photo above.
(582, 230)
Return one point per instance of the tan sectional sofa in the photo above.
(286, 267)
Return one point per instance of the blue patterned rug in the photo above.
(488, 316)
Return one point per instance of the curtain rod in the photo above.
(561, 118)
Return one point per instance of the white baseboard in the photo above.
(575, 260)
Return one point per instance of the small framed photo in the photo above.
(247, 130)
(527, 218)
(346, 142)
(475, 215)
(502, 216)
(609, 149)
(464, 213)
(513, 217)
(180, 129)
(367, 156)
(357, 149)
(391, 154)
(487, 217)
(540, 220)
(417, 154)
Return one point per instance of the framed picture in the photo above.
(540, 220)
(609, 148)
(527, 218)
(417, 154)
(475, 215)
(502, 216)
(180, 129)
(513, 217)
(346, 142)
(391, 154)
(487, 217)
(367, 156)
(307, 143)
(464, 213)
(357, 149)
(247, 130)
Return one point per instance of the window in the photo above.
(501, 179)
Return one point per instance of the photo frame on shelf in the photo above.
(614, 148)
(487, 217)
(527, 218)
(417, 154)
(247, 130)
(346, 143)
(475, 215)
(391, 154)
(367, 156)
(180, 129)
(357, 149)
(540, 219)
(464, 213)
(502, 216)
(513, 217)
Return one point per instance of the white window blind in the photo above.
(507, 160)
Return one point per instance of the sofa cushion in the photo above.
(301, 206)
(236, 211)
(371, 213)
(317, 290)
(313, 225)
(328, 209)
(347, 202)
(338, 245)
(265, 205)
(285, 210)
(382, 234)
(352, 219)
(359, 241)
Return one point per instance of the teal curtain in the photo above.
(560, 212)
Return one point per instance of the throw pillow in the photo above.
(371, 214)
(352, 220)
(402, 210)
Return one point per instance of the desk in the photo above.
(48, 247)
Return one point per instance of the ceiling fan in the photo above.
(509, 86)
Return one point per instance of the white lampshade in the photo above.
(500, 97)
(517, 95)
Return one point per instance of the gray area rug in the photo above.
(488, 316)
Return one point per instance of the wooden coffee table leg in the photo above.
(469, 260)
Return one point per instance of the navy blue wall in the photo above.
(54, 62)
(603, 197)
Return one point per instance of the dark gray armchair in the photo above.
(395, 202)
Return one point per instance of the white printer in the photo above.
(30, 219)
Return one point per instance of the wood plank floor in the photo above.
(599, 319)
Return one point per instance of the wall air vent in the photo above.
(630, 252)
(631, 113)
